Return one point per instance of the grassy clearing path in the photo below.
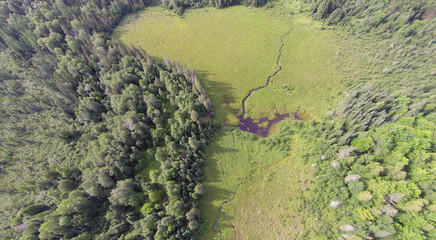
(257, 189)
(241, 116)
(272, 206)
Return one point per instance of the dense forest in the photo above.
(101, 141)
(375, 169)
(98, 140)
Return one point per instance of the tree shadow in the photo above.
(222, 94)
(217, 218)
(212, 222)
(118, 33)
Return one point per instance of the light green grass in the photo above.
(308, 68)
(267, 174)
(271, 205)
(233, 50)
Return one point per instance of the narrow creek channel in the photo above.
(221, 208)
(250, 125)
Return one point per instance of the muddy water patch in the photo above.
(257, 127)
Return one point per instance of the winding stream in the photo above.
(269, 77)
(249, 124)
(221, 208)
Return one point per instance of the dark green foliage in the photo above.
(386, 185)
(404, 17)
(33, 209)
(181, 5)
(380, 179)
(83, 117)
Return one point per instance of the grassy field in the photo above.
(234, 50)
(272, 180)
(308, 80)
(272, 205)
(231, 160)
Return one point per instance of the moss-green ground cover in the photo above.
(232, 159)
(271, 204)
(308, 79)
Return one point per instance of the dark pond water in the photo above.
(249, 124)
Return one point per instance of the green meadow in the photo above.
(308, 80)
(272, 180)
(233, 51)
